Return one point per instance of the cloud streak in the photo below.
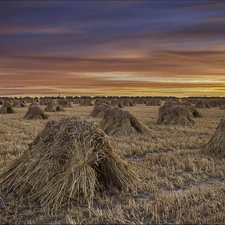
(43, 43)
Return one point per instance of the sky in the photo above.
(112, 48)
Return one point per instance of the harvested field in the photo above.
(179, 183)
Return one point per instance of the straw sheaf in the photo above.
(154, 102)
(128, 103)
(174, 115)
(194, 112)
(216, 145)
(65, 103)
(35, 112)
(202, 104)
(86, 102)
(99, 110)
(65, 164)
(7, 108)
(18, 104)
(53, 107)
(118, 121)
(116, 102)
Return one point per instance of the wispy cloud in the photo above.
(26, 30)
(173, 45)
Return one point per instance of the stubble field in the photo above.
(178, 184)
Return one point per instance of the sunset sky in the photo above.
(134, 48)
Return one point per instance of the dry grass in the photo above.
(53, 107)
(99, 110)
(216, 145)
(35, 112)
(119, 121)
(174, 115)
(178, 183)
(7, 108)
(65, 164)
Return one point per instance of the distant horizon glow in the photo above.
(133, 48)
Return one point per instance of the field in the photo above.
(178, 184)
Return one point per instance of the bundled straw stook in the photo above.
(7, 108)
(216, 145)
(116, 103)
(185, 103)
(99, 110)
(35, 112)
(66, 164)
(172, 102)
(119, 121)
(86, 102)
(18, 104)
(43, 102)
(174, 115)
(214, 103)
(194, 112)
(98, 101)
(128, 102)
(76, 101)
(65, 103)
(53, 107)
(154, 102)
(202, 104)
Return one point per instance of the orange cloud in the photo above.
(169, 72)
